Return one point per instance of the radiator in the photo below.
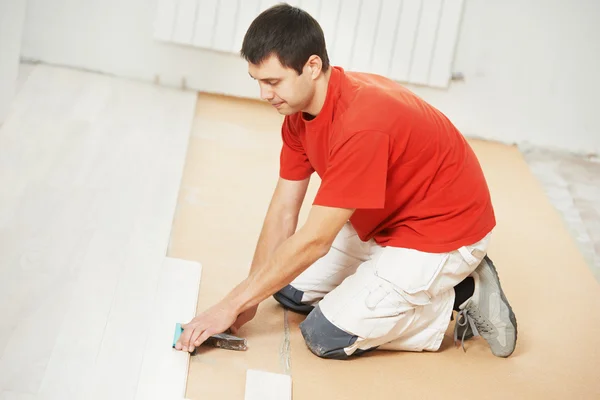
(409, 41)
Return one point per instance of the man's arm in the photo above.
(281, 219)
(292, 257)
(280, 223)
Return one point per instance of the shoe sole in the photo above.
(511, 314)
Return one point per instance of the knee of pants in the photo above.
(324, 339)
(291, 298)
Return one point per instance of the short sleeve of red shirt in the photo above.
(356, 174)
(293, 161)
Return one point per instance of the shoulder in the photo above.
(370, 103)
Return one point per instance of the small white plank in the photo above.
(248, 10)
(405, 39)
(204, 27)
(447, 36)
(313, 7)
(12, 17)
(183, 31)
(328, 19)
(346, 32)
(385, 37)
(225, 28)
(365, 36)
(165, 18)
(164, 370)
(425, 42)
(262, 385)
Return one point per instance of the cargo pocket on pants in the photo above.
(410, 272)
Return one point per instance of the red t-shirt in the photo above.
(411, 176)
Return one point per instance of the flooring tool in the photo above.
(222, 340)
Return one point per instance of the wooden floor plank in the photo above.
(164, 369)
(262, 385)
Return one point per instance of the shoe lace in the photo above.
(462, 320)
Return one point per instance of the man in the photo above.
(398, 232)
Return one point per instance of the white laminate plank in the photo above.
(90, 167)
(164, 369)
(262, 385)
(132, 311)
(158, 128)
(44, 220)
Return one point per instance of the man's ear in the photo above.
(315, 64)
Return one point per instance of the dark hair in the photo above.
(290, 33)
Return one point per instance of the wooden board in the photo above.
(541, 269)
(91, 171)
(164, 369)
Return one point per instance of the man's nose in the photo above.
(266, 93)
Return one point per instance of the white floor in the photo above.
(90, 168)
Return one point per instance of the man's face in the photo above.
(287, 91)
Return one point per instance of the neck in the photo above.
(316, 104)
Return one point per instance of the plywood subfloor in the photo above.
(231, 170)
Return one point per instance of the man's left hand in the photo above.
(216, 319)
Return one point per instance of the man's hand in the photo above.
(243, 318)
(216, 319)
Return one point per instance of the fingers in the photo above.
(191, 338)
(202, 338)
(184, 340)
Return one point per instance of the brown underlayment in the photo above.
(231, 170)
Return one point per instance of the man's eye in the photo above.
(273, 83)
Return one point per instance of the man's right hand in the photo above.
(243, 318)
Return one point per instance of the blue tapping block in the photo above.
(178, 332)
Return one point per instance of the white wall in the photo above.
(531, 67)
(532, 73)
(116, 36)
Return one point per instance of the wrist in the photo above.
(239, 299)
